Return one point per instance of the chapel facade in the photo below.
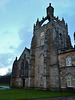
(50, 62)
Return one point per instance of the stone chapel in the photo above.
(50, 62)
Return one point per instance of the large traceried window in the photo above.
(69, 81)
(24, 68)
(68, 61)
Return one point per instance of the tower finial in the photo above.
(49, 4)
(50, 12)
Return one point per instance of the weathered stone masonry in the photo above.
(50, 62)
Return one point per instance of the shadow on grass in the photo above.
(22, 94)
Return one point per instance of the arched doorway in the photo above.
(23, 82)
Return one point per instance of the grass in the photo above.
(4, 85)
(21, 94)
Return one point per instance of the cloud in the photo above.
(3, 3)
(25, 37)
(4, 71)
(12, 46)
(1, 65)
(9, 41)
(9, 44)
(6, 60)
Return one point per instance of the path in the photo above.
(4, 87)
(58, 98)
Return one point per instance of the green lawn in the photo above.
(20, 94)
(4, 85)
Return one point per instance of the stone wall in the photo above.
(16, 83)
(66, 70)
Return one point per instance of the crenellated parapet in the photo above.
(62, 22)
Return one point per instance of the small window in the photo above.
(69, 81)
(68, 61)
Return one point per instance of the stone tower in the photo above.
(46, 41)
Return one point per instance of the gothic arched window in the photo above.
(69, 81)
(26, 69)
(61, 39)
(68, 61)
